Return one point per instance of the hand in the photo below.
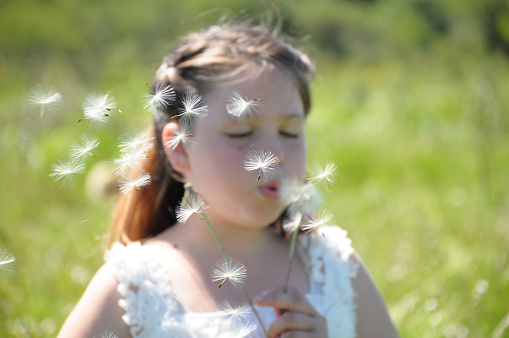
(296, 317)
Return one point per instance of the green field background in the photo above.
(410, 100)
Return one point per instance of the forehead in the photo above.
(274, 88)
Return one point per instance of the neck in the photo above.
(237, 241)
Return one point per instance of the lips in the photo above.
(270, 190)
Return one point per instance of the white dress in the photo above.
(152, 310)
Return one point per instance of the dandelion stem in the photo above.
(227, 258)
(290, 259)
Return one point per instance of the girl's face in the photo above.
(216, 160)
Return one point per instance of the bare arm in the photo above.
(97, 312)
(372, 316)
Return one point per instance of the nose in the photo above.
(273, 143)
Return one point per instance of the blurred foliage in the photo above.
(412, 99)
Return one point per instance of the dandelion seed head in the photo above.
(237, 312)
(105, 334)
(241, 330)
(161, 98)
(140, 142)
(325, 175)
(193, 205)
(6, 260)
(241, 108)
(143, 180)
(311, 223)
(263, 161)
(182, 136)
(192, 111)
(233, 271)
(301, 196)
(66, 170)
(45, 99)
(292, 222)
(98, 108)
(88, 143)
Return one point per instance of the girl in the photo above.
(220, 95)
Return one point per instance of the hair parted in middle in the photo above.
(196, 64)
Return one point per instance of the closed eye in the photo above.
(289, 135)
(240, 135)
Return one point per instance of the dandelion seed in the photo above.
(88, 143)
(97, 108)
(160, 98)
(292, 222)
(143, 180)
(105, 334)
(192, 111)
(241, 330)
(141, 142)
(326, 176)
(232, 270)
(193, 205)
(65, 170)
(237, 312)
(6, 260)
(181, 136)
(312, 222)
(241, 108)
(263, 161)
(45, 99)
(299, 196)
(133, 150)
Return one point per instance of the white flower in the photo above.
(88, 143)
(191, 111)
(231, 270)
(6, 260)
(241, 108)
(45, 99)
(237, 312)
(97, 108)
(299, 196)
(312, 222)
(326, 176)
(65, 170)
(142, 180)
(193, 205)
(181, 136)
(160, 98)
(264, 161)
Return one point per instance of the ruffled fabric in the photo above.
(152, 310)
(331, 290)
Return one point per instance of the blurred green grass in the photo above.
(416, 120)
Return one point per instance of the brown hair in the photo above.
(195, 64)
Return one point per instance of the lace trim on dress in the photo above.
(331, 290)
(152, 310)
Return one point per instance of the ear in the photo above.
(177, 156)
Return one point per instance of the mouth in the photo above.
(270, 190)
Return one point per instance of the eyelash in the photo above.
(290, 135)
(240, 135)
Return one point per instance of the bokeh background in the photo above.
(411, 101)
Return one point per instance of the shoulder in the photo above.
(372, 316)
(97, 312)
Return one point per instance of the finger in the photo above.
(292, 300)
(291, 321)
